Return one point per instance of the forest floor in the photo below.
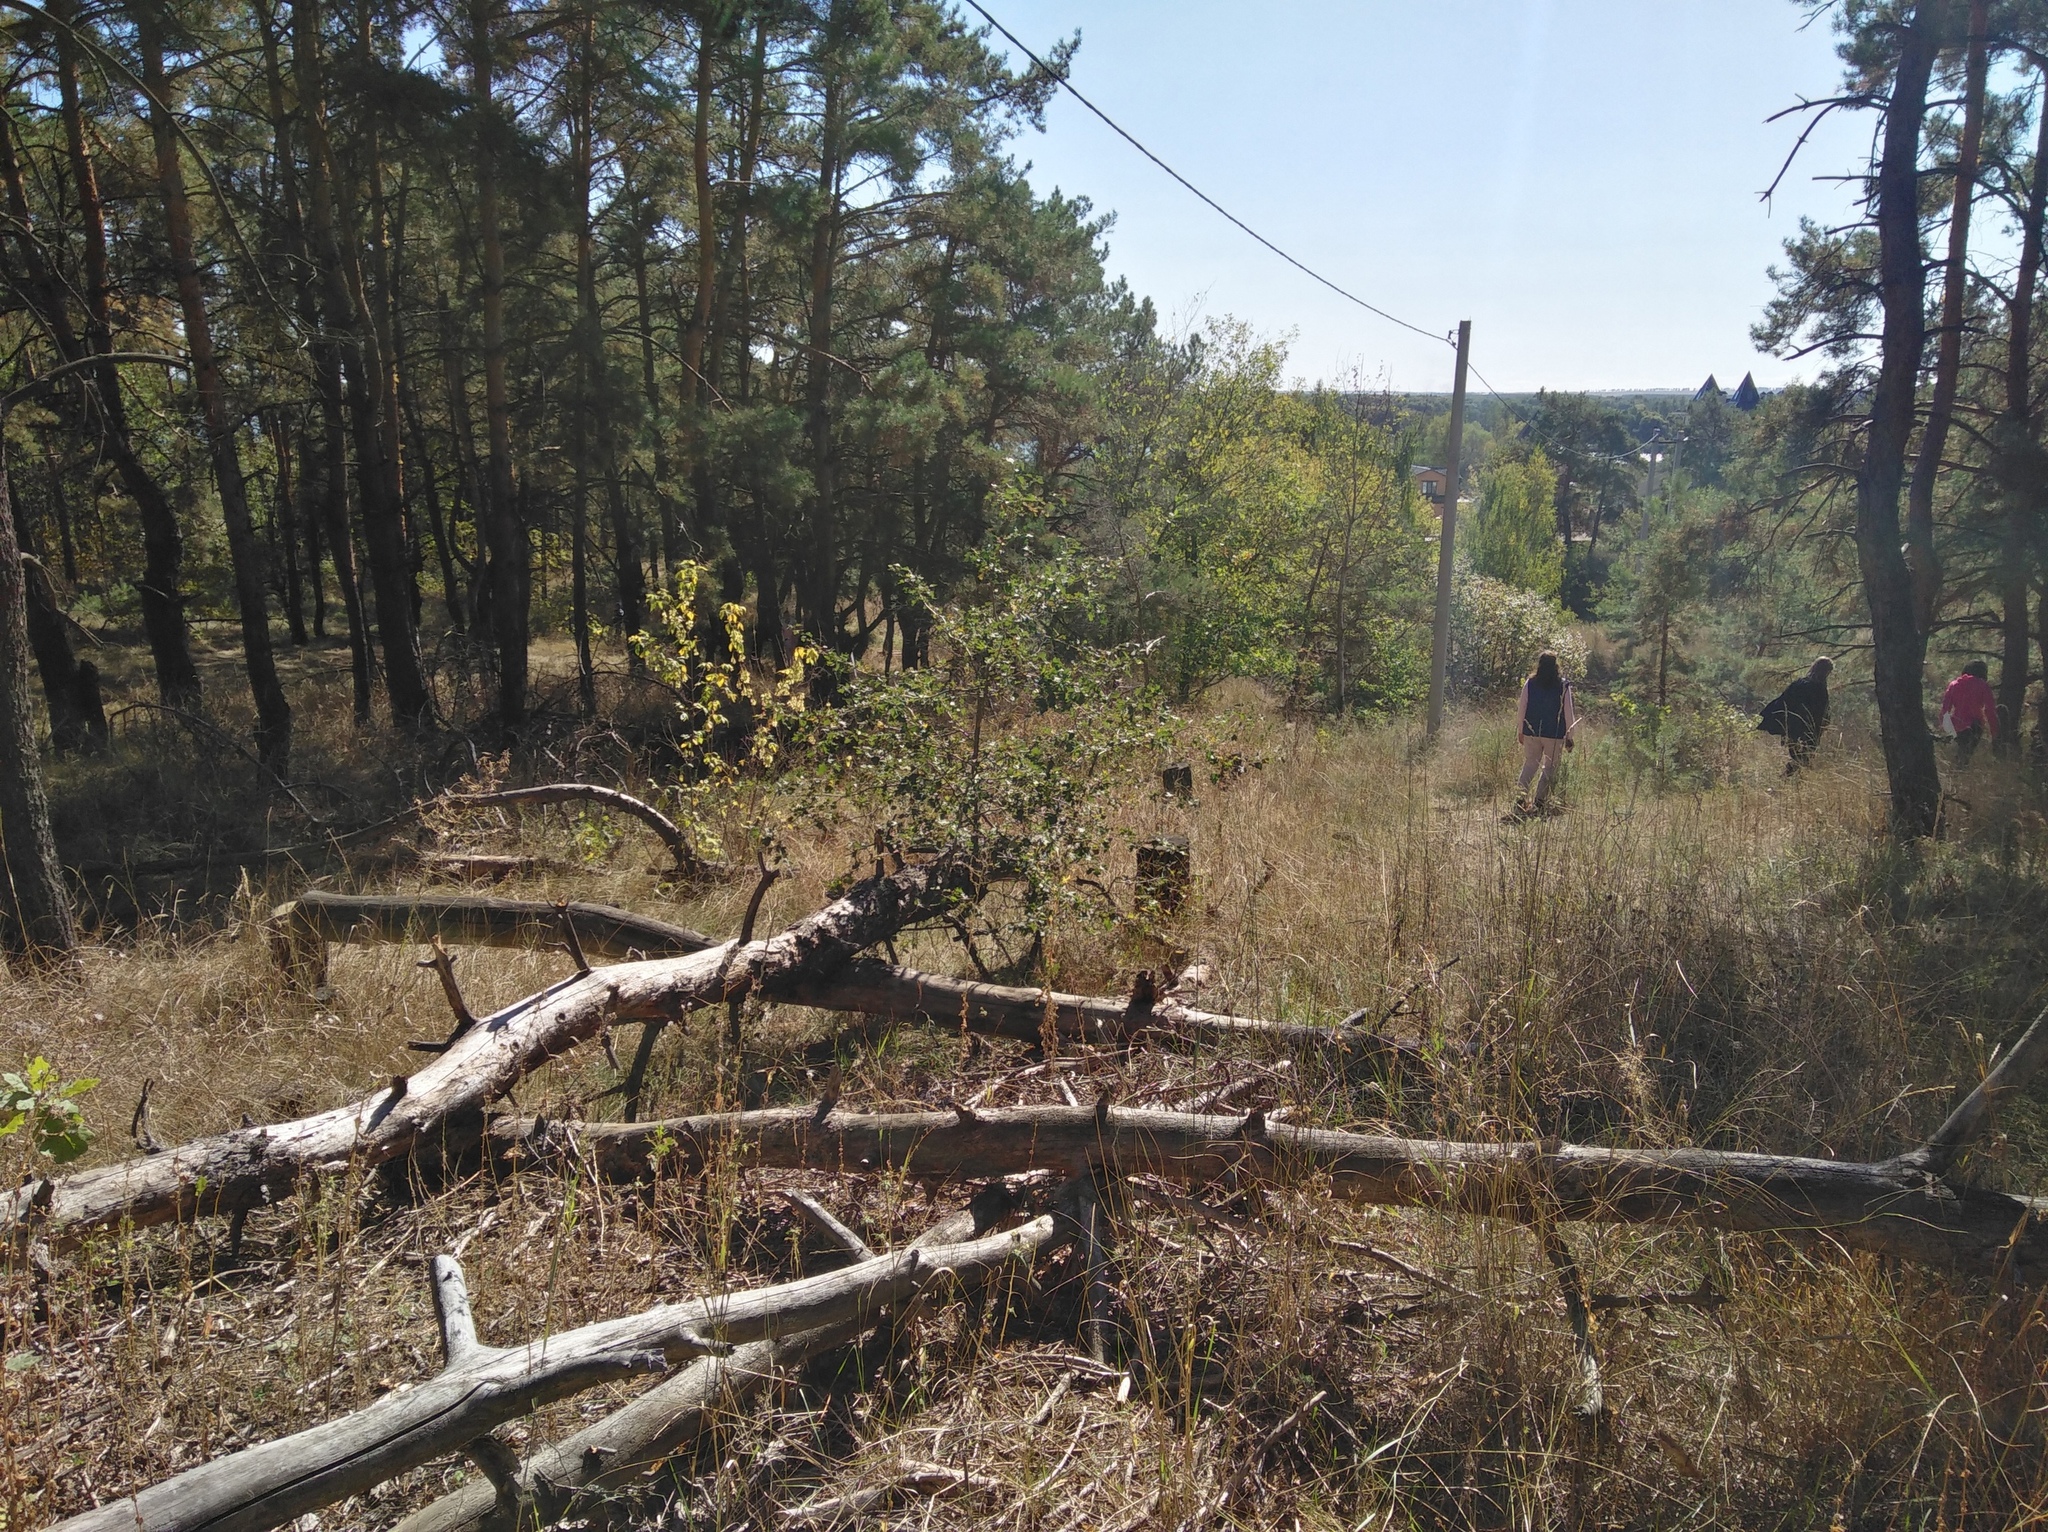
(1746, 967)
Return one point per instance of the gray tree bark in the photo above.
(39, 906)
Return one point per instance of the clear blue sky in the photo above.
(1578, 178)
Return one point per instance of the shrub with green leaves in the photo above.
(1691, 742)
(1009, 749)
(41, 1104)
(1497, 630)
(735, 713)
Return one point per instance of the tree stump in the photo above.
(1166, 868)
(1178, 781)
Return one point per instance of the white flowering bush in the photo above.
(1497, 630)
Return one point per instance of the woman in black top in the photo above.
(1545, 721)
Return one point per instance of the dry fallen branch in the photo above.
(483, 1387)
(927, 1479)
(444, 1102)
(616, 1450)
(299, 931)
(686, 859)
(687, 862)
(1887, 1207)
(1972, 1118)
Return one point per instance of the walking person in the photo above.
(1799, 713)
(1969, 710)
(1545, 721)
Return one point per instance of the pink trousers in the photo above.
(1540, 760)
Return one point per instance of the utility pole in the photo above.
(1447, 535)
(1650, 490)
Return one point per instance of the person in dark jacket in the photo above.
(1799, 713)
(1545, 720)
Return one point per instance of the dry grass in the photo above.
(1749, 966)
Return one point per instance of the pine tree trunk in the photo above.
(1899, 646)
(245, 554)
(2017, 453)
(284, 519)
(49, 636)
(309, 522)
(347, 314)
(328, 513)
(821, 556)
(657, 425)
(161, 588)
(510, 571)
(440, 525)
(39, 906)
(60, 506)
(588, 424)
(339, 526)
(379, 303)
(697, 333)
(1922, 558)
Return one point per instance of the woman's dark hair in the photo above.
(1978, 669)
(1546, 674)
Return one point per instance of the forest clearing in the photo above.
(699, 834)
(1747, 969)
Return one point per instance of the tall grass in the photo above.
(1752, 966)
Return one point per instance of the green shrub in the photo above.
(42, 1103)
(1009, 748)
(1497, 630)
(1692, 742)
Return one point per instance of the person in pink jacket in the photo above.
(1969, 710)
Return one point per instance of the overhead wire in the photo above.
(1060, 77)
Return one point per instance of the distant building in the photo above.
(1431, 482)
(1747, 395)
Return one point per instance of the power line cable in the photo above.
(1525, 420)
(1059, 76)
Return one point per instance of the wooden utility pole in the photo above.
(1447, 536)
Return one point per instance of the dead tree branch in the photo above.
(1889, 1208)
(483, 1387)
(444, 1103)
(1972, 1119)
(883, 991)
(686, 858)
(613, 1452)
(301, 930)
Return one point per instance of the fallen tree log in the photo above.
(885, 992)
(1890, 1207)
(301, 931)
(889, 992)
(613, 1452)
(1972, 1116)
(445, 1100)
(483, 1387)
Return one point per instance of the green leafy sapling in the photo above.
(40, 1103)
(1010, 748)
(736, 713)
